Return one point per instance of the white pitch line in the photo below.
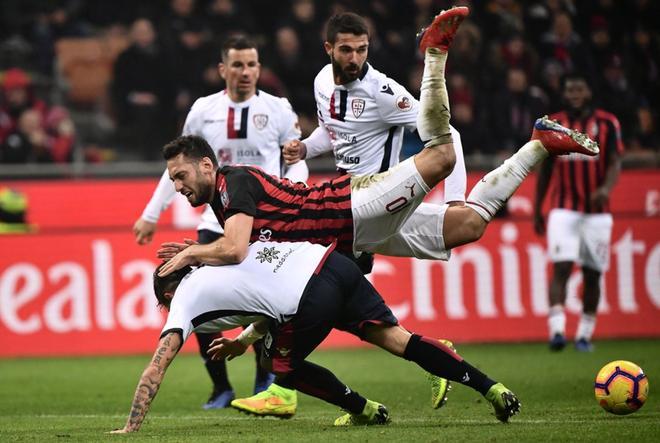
(305, 418)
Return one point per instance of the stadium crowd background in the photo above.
(111, 81)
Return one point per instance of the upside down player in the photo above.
(318, 290)
(369, 213)
(243, 125)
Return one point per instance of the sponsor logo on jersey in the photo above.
(403, 103)
(283, 351)
(224, 156)
(213, 120)
(268, 254)
(358, 107)
(323, 97)
(386, 89)
(347, 159)
(351, 139)
(260, 121)
(282, 260)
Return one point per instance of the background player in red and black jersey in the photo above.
(579, 224)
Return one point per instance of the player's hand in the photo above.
(293, 151)
(168, 250)
(179, 261)
(599, 198)
(224, 347)
(539, 224)
(120, 431)
(144, 231)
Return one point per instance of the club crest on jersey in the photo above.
(260, 121)
(358, 107)
(268, 255)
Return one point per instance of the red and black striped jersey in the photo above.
(284, 210)
(576, 176)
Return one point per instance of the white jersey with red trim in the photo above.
(365, 119)
(268, 283)
(250, 132)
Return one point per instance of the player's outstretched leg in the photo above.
(548, 138)
(276, 401)
(437, 161)
(504, 402)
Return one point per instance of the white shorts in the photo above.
(581, 238)
(389, 217)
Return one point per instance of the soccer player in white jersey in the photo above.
(244, 126)
(317, 290)
(362, 112)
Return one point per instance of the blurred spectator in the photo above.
(30, 131)
(226, 17)
(616, 94)
(142, 93)
(514, 53)
(646, 137)
(643, 64)
(296, 72)
(466, 53)
(464, 114)
(565, 46)
(514, 110)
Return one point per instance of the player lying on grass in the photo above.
(317, 290)
(377, 213)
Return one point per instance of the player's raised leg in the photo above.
(467, 224)
(437, 159)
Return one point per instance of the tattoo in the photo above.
(151, 379)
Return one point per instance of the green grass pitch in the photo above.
(80, 399)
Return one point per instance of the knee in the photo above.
(474, 226)
(442, 159)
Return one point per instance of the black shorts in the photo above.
(337, 297)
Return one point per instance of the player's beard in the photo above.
(339, 72)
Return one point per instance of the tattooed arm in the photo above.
(150, 381)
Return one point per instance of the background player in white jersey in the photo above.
(318, 290)
(244, 126)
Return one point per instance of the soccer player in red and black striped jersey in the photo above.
(370, 213)
(579, 224)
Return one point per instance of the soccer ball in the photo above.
(621, 387)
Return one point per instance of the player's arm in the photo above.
(145, 226)
(229, 249)
(150, 381)
(224, 347)
(316, 144)
(614, 147)
(542, 184)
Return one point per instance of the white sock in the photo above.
(586, 327)
(433, 116)
(491, 193)
(557, 320)
(455, 182)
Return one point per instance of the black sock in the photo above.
(217, 369)
(258, 347)
(440, 360)
(319, 382)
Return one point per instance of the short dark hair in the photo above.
(574, 76)
(346, 23)
(169, 283)
(238, 42)
(191, 146)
